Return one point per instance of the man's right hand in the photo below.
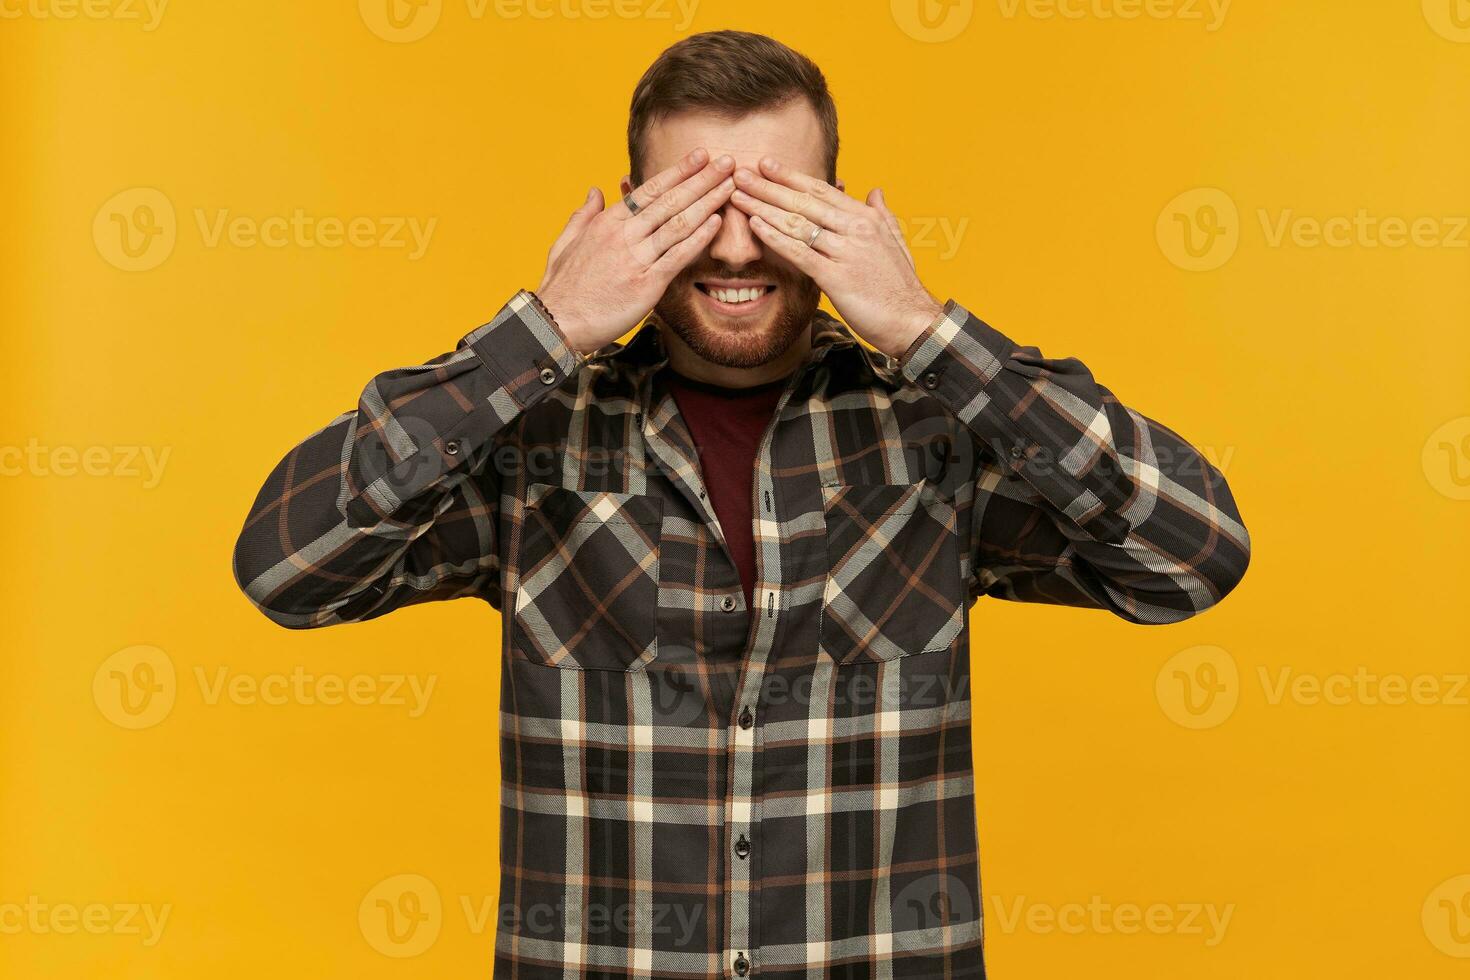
(610, 267)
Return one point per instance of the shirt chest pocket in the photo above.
(589, 579)
(893, 572)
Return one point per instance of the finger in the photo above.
(672, 262)
(591, 207)
(689, 220)
(793, 225)
(796, 201)
(877, 201)
(808, 260)
(645, 193)
(788, 176)
(673, 201)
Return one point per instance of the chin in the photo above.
(740, 325)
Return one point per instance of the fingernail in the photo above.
(756, 221)
(770, 163)
(698, 156)
(743, 176)
(591, 193)
(725, 162)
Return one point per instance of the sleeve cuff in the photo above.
(955, 357)
(525, 351)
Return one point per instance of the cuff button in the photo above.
(548, 376)
(930, 380)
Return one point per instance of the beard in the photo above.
(739, 342)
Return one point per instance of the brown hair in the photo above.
(731, 73)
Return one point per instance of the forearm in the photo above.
(1149, 521)
(393, 503)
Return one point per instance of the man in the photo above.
(734, 558)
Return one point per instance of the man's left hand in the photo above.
(859, 258)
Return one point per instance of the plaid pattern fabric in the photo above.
(696, 789)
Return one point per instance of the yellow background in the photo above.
(1050, 147)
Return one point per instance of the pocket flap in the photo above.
(563, 506)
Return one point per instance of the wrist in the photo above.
(920, 317)
(564, 320)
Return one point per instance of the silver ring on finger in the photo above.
(816, 233)
(633, 207)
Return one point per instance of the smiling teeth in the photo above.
(736, 295)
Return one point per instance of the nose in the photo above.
(735, 244)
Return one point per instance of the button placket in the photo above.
(743, 814)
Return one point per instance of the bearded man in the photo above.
(734, 558)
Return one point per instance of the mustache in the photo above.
(756, 270)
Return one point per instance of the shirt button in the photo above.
(742, 847)
(1017, 452)
(746, 718)
(930, 380)
(547, 376)
(742, 965)
(728, 603)
(452, 448)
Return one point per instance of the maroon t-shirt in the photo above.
(727, 425)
